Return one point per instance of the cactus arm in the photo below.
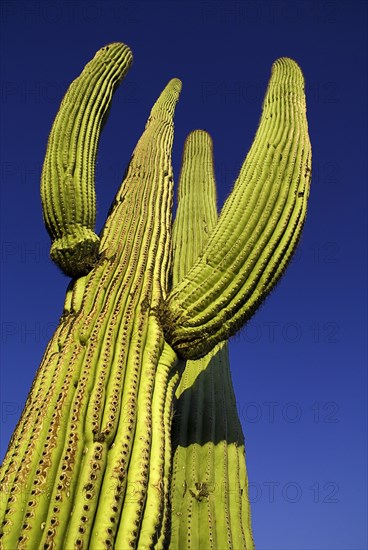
(261, 219)
(67, 182)
(209, 497)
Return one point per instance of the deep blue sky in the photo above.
(299, 367)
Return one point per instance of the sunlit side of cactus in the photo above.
(87, 457)
(90, 462)
(258, 229)
(68, 175)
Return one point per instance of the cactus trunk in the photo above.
(209, 490)
(79, 466)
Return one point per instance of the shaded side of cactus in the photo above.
(68, 175)
(209, 486)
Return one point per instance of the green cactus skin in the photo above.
(210, 506)
(209, 487)
(90, 461)
(95, 411)
(258, 228)
(68, 175)
(196, 213)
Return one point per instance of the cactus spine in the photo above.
(91, 463)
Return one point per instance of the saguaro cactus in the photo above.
(91, 462)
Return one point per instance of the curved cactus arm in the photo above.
(67, 182)
(209, 486)
(257, 231)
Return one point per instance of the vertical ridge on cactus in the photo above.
(92, 462)
(209, 487)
